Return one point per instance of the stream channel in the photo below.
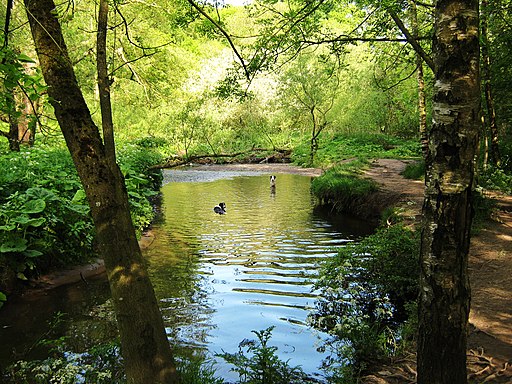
(217, 277)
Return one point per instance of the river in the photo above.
(217, 277)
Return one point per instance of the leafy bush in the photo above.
(367, 290)
(359, 146)
(262, 365)
(415, 170)
(496, 179)
(38, 222)
(100, 365)
(197, 370)
(44, 215)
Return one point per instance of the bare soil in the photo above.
(490, 267)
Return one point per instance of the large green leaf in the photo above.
(39, 193)
(32, 253)
(14, 245)
(28, 221)
(34, 206)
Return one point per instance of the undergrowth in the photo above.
(341, 186)
(44, 215)
(368, 299)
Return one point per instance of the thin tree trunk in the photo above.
(144, 344)
(10, 100)
(444, 283)
(104, 83)
(422, 109)
(489, 100)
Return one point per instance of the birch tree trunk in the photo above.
(144, 344)
(453, 141)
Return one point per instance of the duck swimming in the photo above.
(220, 209)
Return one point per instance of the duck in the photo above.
(220, 209)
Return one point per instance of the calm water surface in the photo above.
(221, 276)
(218, 277)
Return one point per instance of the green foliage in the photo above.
(40, 221)
(197, 370)
(14, 75)
(257, 363)
(3, 299)
(495, 179)
(340, 186)
(100, 365)
(415, 170)
(366, 290)
(44, 216)
(44, 222)
(362, 146)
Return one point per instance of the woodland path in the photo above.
(490, 268)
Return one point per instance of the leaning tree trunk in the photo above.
(144, 345)
(447, 210)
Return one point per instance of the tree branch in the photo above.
(411, 40)
(226, 35)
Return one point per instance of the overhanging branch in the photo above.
(226, 35)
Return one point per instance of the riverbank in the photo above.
(490, 268)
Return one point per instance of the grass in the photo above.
(341, 186)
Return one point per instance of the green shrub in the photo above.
(99, 365)
(197, 370)
(367, 290)
(358, 146)
(257, 363)
(495, 179)
(44, 215)
(41, 222)
(415, 170)
(341, 187)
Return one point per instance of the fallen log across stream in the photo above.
(253, 156)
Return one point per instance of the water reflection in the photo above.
(221, 276)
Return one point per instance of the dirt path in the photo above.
(490, 268)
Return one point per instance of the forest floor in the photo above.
(490, 268)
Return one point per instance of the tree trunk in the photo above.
(422, 109)
(144, 345)
(104, 83)
(489, 100)
(447, 210)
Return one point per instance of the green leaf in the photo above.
(41, 194)
(25, 59)
(3, 298)
(32, 253)
(79, 197)
(8, 227)
(21, 276)
(34, 206)
(28, 221)
(15, 245)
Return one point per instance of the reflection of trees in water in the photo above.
(183, 293)
(223, 276)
